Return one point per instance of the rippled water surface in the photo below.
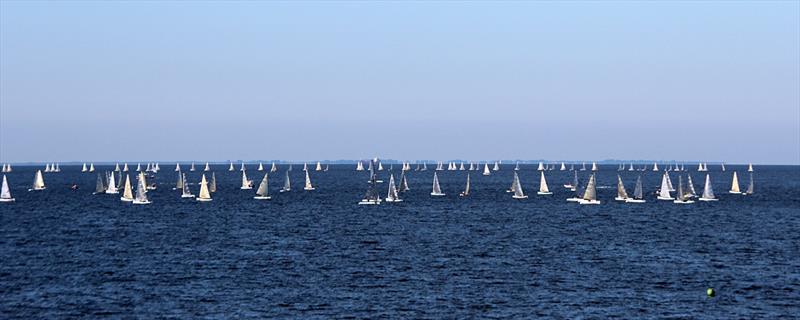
(318, 254)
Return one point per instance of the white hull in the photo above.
(309, 189)
(434, 194)
(187, 196)
(203, 200)
(544, 193)
(735, 192)
(262, 198)
(683, 202)
(463, 195)
(629, 200)
(246, 188)
(36, 189)
(284, 190)
(582, 201)
(574, 199)
(666, 198)
(568, 186)
(708, 199)
(364, 201)
(620, 199)
(125, 199)
(520, 197)
(7, 200)
(141, 202)
(395, 200)
(112, 192)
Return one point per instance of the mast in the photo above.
(213, 187)
(287, 184)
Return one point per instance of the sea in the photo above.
(318, 254)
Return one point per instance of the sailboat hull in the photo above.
(141, 202)
(620, 198)
(708, 199)
(574, 199)
(203, 199)
(520, 197)
(434, 194)
(683, 202)
(36, 189)
(7, 200)
(187, 196)
(735, 192)
(393, 200)
(544, 193)
(262, 198)
(583, 201)
(629, 200)
(309, 188)
(246, 188)
(666, 198)
(125, 199)
(367, 202)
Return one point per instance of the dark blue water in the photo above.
(318, 254)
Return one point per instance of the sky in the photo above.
(213, 81)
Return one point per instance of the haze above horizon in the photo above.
(686, 81)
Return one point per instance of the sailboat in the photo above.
(380, 166)
(177, 167)
(305, 166)
(207, 168)
(572, 184)
(213, 186)
(655, 166)
(246, 184)
(8, 168)
(669, 182)
(461, 168)
(125, 168)
(263, 189)
(371, 197)
(260, 167)
(750, 186)
(138, 167)
(543, 189)
(518, 193)
(141, 191)
(319, 167)
(541, 166)
(287, 184)
(274, 168)
(179, 184)
(191, 169)
(723, 167)
(392, 196)
(359, 166)
(663, 193)
(100, 187)
(327, 166)
(127, 193)
(572, 167)
(583, 166)
(631, 167)
(112, 185)
(579, 191)
(735, 184)
(496, 166)
(46, 167)
(690, 188)
(437, 191)
(308, 186)
(84, 169)
(424, 166)
(594, 166)
(204, 194)
(404, 183)
(622, 194)
(243, 168)
(116, 168)
(683, 197)
(638, 194)
(563, 167)
(750, 167)
(590, 195)
(185, 191)
(465, 193)
(5, 192)
(708, 192)
(231, 168)
(486, 171)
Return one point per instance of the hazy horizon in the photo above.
(706, 81)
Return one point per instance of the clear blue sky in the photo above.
(92, 81)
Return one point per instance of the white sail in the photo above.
(177, 167)
(517, 187)
(319, 167)
(631, 167)
(496, 166)
(669, 183)
(231, 168)
(563, 167)
(723, 167)
(622, 194)
(112, 185)
(359, 166)
(186, 192)
(735, 184)
(5, 192)
(116, 168)
(84, 169)
(191, 168)
(260, 166)
(392, 195)
(46, 167)
(461, 168)
(750, 186)
(263, 189)
(141, 191)
(308, 186)
(541, 166)
(404, 183)
(637, 192)
(486, 171)
(708, 192)
(594, 166)
(287, 184)
(207, 168)
(125, 168)
(274, 168)
(700, 167)
(246, 185)
(243, 168)
(138, 167)
(204, 195)
(436, 191)
(543, 188)
(213, 186)
(305, 166)
(655, 166)
(590, 194)
(466, 188)
(682, 196)
(663, 192)
(380, 166)
(127, 193)
(750, 167)
(690, 186)
(8, 168)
